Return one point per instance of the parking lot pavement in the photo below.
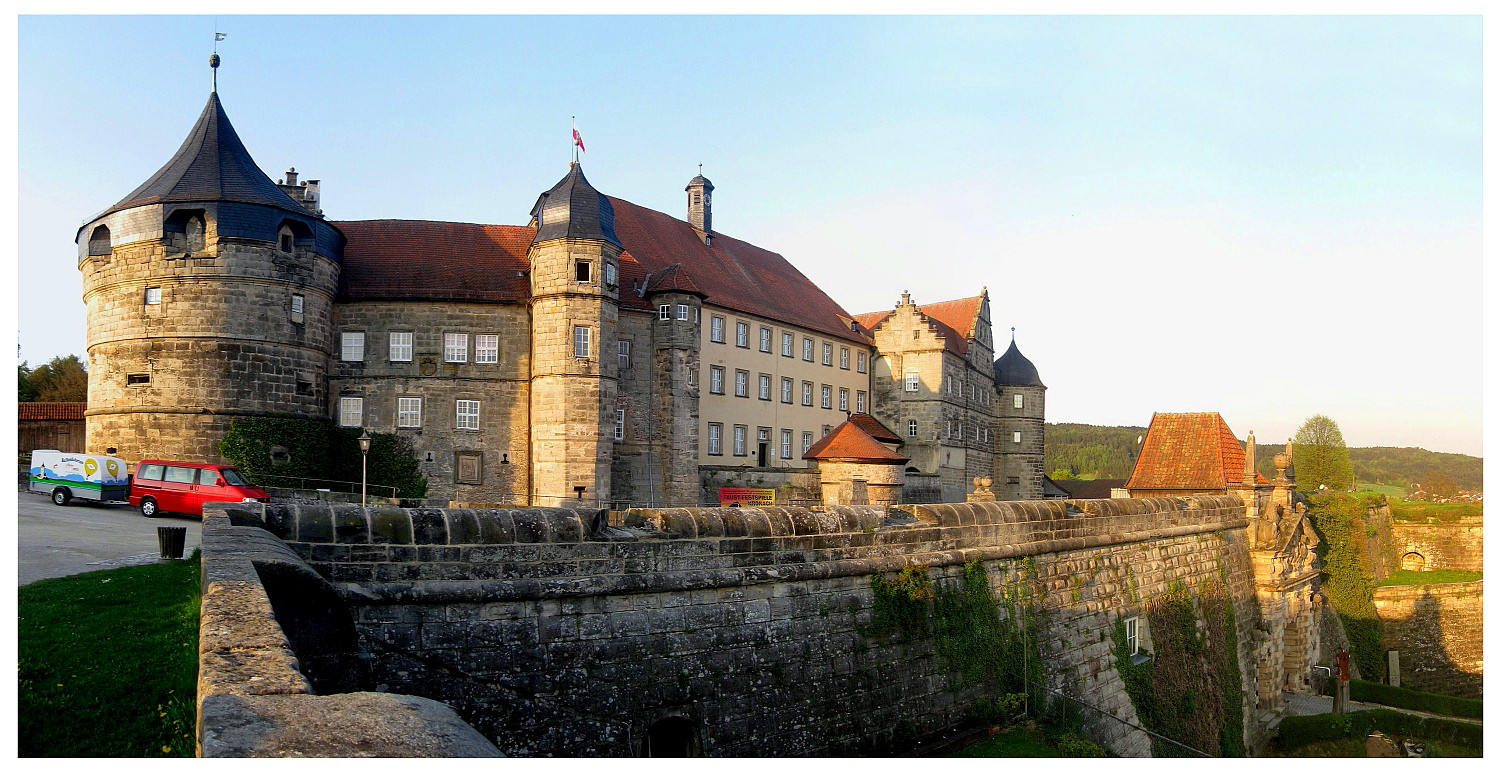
(57, 541)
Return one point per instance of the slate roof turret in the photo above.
(574, 209)
(1013, 369)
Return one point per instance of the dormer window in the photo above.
(99, 241)
(582, 271)
(286, 242)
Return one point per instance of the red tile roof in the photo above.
(674, 278)
(50, 411)
(435, 260)
(1189, 451)
(849, 441)
(873, 427)
(954, 320)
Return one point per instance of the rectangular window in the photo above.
(807, 349)
(807, 388)
(741, 334)
(151, 472)
(581, 271)
(610, 277)
(153, 295)
(400, 346)
(486, 349)
(948, 429)
(1133, 635)
(716, 329)
(299, 304)
(455, 347)
(843, 358)
(806, 441)
(181, 474)
(682, 312)
(409, 412)
(765, 387)
(1015, 437)
(619, 424)
(859, 401)
(913, 380)
(911, 428)
(715, 439)
(580, 342)
(353, 347)
(351, 411)
(663, 312)
(827, 354)
(739, 439)
(765, 339)
(137, 379)
(960, 387)
(827, 397)
(715, 380)
(786, 344)
(786, 390)
(467, 466)
(860, 365)
(741, 383)
(466, 413)
(624, 346)
(843, 399)
(960, 434)
(786, 443)
(1016, 400)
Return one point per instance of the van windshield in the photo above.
(233, 477)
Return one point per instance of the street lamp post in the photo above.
(364, 464)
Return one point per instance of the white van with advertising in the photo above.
(69, 476)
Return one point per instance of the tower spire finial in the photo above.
(213, 60)
(1013, 335)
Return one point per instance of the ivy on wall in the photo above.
(313, 449)
(1348, 580)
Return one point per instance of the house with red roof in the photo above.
(1192, 453)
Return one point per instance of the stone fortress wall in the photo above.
(552, 633)
(1438, 629)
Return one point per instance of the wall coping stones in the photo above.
(1435, 590)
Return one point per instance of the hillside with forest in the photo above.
(1101, 452)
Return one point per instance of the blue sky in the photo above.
(1270, 217)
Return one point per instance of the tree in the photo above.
(25, 392)
(1439, 485)
(1319, 456)
(64, 379)
(1061, 473)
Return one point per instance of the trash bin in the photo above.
(171, 539)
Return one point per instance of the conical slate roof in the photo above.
(212, 165)
(1013, 369)
(574, 208)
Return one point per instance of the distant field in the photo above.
(1431, 577)
(1403, 510)
(1396, 491)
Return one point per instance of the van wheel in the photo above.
(61, 496)
(148, 507)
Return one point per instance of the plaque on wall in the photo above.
(429, 365)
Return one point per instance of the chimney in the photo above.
(291, 177)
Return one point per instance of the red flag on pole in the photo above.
(578, 140)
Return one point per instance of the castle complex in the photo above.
(601, 352)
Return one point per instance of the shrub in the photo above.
(1298, 731)
(315, 449)
(1406, 698)
(1338, 520)
(1074, 746)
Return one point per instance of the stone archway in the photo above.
(673, 737)
(1413, 561)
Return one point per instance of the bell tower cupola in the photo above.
(700, 193)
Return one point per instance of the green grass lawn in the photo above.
(108, 662)
(1379, 488)
(1403, 510)
(1429, 577)
(1019, 741)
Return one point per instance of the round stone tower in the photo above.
(209, 294)
(575, 301)
(675, 342)
(1020, 426)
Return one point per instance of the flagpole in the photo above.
(573, 140)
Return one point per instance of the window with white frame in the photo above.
(843, 399)
(948, 429)
(913, 380)
(400, 346)
(715, 439)
(619, 424)
(299, 304)
(580, 342)
(806, 441)
(911, 428)
(786, 390)
(486, 349)
(807, 388)
(409, 412)
(827, 354)
(1017, 400)
(739, 439)
(827, 397)
(715, 379)
(624, 351)
(764, 387)
(807, 349)
(765, 339)
(1015, 437)
(352, 411)
(455, 347)
(663, 312)
(860, 361)
(153, 295)
(682, 312)
(741, 334)
(466, 413)
(786, 344)
(843, 358)
(826, 429)
(352, 346)
(786, 443)
(859, 401)
(610, 276)
(716, 329)
(1135, 636)
(741, 383)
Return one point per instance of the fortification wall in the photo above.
(1439, 630)
(554, 634)
(1451, 544)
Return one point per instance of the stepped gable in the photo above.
(848, 441)
(50, 411)
(873, 427)
(397, 259)
(734, 274)
(211, 166)
(954, 321)
(1186, 451)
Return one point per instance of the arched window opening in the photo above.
(99, 241)
(285, 240)
(186, 230)
(674, 737)
(1413, 562)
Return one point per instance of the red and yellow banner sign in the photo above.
(747, 497)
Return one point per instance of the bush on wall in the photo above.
(1348, 580)
(315, 449)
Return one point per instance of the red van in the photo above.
(183, 487)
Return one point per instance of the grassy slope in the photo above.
(1014, 742)
(1408, 577)
(108, 662)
